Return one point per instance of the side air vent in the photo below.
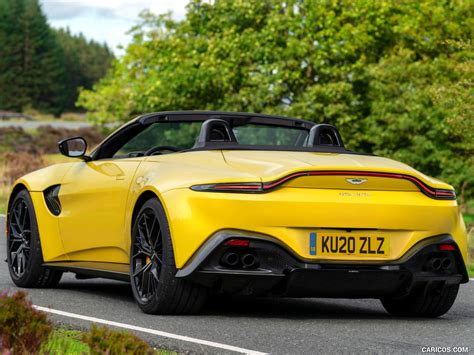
(52, 200)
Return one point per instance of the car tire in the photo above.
(429, 302)
(168, 294)
(24, 253)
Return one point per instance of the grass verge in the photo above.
(25, 330)
(65, 341)
(470, 270)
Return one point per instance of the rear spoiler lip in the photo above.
(254, 187)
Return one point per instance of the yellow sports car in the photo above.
(186, 204)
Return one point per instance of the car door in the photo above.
(93, 197)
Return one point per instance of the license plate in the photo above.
(339, 244)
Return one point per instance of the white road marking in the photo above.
(471, 279)
(2, 215)
(150, 331)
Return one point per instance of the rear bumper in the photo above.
(290, 215)
(279, 272)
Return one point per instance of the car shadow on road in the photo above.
(295, 308)
(240, 306)
(249, 307)
(115, 290)
(308, 308)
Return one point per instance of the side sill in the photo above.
(114, 271)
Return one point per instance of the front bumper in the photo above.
(279, 272)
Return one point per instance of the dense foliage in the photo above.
(86, 61)
(394, 76)
(25, 330)
(102, 340)
(22, 328)
(41, 67)
(24, 151)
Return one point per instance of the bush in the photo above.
(48, 137)
(21, 152)
(20, 163)
(22, 328)
(17, 140)
(102, 340)
(44, 140)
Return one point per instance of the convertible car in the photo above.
(184, 205)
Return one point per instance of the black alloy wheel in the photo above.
(147, 255)
(19, 238)
(24, 253)
(155, 287)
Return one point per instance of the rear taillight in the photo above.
(445, 194)
(257, 187)
(245, 187)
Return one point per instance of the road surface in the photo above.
(277, 326)
(36, 124)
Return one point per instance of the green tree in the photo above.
(86, 62)
(379, 70)
(41, 67)
(12, 95)
(31, 62)
(43, 61)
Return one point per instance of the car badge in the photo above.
(356, 181)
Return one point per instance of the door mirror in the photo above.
(74, 147)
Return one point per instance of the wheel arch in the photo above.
(15, 190)
(143, 196)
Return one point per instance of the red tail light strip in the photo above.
(268, 186)
(238, 187)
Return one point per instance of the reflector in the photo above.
(238, 242)
(446, 247)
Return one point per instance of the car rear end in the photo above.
(336, 226)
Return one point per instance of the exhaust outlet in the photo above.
(435, 264)
(230, 259)
(249, 261)
(446, 264)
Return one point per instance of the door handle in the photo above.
(120, 177)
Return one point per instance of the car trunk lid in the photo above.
(331, 171)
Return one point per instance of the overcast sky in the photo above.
(106, 20)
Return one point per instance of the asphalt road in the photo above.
(36, 124)
(277, 326)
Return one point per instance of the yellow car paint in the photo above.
(93, 197)
(98, 199)
(289, 215)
